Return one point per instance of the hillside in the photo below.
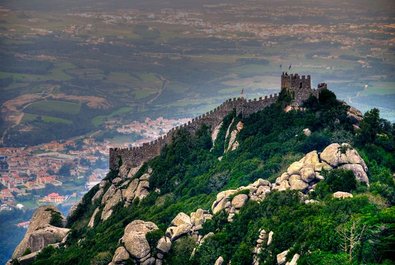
(311, 184)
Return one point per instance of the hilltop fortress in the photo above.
(298, 86)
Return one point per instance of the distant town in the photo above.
(60, 172)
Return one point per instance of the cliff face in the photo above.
(41, 231)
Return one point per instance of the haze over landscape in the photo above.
(79, 77)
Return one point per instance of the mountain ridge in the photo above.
(238, 185)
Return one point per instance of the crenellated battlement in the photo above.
(300, 86)
(134, 156)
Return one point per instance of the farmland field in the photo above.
(81, 62)
(52, 106)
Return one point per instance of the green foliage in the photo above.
(153, 237)
(56, 219)
(181, 251)
(324, 258)
(27, 251)
(284, 97)
(370, 126)
(83, 207)
(316, 141)
(242, 255)
(336, 180)
(102, 258)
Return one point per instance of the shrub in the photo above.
(56, 219)
(27, 251)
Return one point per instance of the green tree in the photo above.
(370, 126)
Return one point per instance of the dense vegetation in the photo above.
(188, 175)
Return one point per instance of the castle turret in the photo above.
(298, 86)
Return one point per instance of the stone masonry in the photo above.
(300, 88)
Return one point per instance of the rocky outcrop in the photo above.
(355, 116)
(344, 156)
(134, 244)
(219, 261)
(121, 189)
(282, 257)
(263, 241)
(180, 226)
(40, 232)
(120, 256)
(92, 219)
(110, 203)
(100, 192)
(341, 195)
(233, 200)
(300, 175)
(294, 260)
(233, 143)
(215, 132)
(307, 132)
(138, 188)
(305, 173)
(164, 244)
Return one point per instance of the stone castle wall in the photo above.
(299, 86)
(134, 156)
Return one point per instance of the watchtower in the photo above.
(298, 86)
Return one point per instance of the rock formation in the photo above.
(263, 241)
(134, 244)
(341, 195)
(305, 173)
(41, 232)
(233, 143)
(125, 188)
(301, 175)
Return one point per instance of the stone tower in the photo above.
(298, 86)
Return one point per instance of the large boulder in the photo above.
(294, 260)
(305, 173)
(175, 232)
(198, 217)
(295, 168)
(129, 193)
(222, 199)
(134, 238)
(296, 183)
(219, 261)
(164, 244)
(239, 200)
(336, 155)
(180, 219)
(341, 195)
(358, 170)
(120, 256)
(282, 257)
(41, 232)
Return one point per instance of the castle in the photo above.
(298, 86)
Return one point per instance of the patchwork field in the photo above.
(90, 62)
(52, 106)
